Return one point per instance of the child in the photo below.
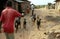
(34, 17)
(38, 23)
(17, 23)
(24, 24)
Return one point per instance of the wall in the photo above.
(57, 5)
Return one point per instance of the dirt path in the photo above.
(32, 32)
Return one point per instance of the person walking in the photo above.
(34, 18)
(2, 3)
(38, 23)
(7, 17)
(17, 23)
(32, 8)
(24, 24)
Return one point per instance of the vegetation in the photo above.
(39, 6)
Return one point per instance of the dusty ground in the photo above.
(50, 22)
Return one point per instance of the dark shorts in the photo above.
(38, 24)
(34, 18)
(18, 22)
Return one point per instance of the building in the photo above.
(2, 5)
(57, 4)
(51, 6)
(21, 5)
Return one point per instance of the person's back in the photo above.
(8, 16)
(24, 21)
(32, 7)
(38, 23)
(18, 20)
(17, 23)
(34, 16)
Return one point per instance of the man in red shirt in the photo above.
(7, 17)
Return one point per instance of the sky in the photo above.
(42, 2)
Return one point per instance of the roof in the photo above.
(57, 0)
(19, 1)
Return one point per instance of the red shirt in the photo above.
(8, 16)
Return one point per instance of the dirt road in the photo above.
(49, 20)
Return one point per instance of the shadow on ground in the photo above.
(53, 19)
